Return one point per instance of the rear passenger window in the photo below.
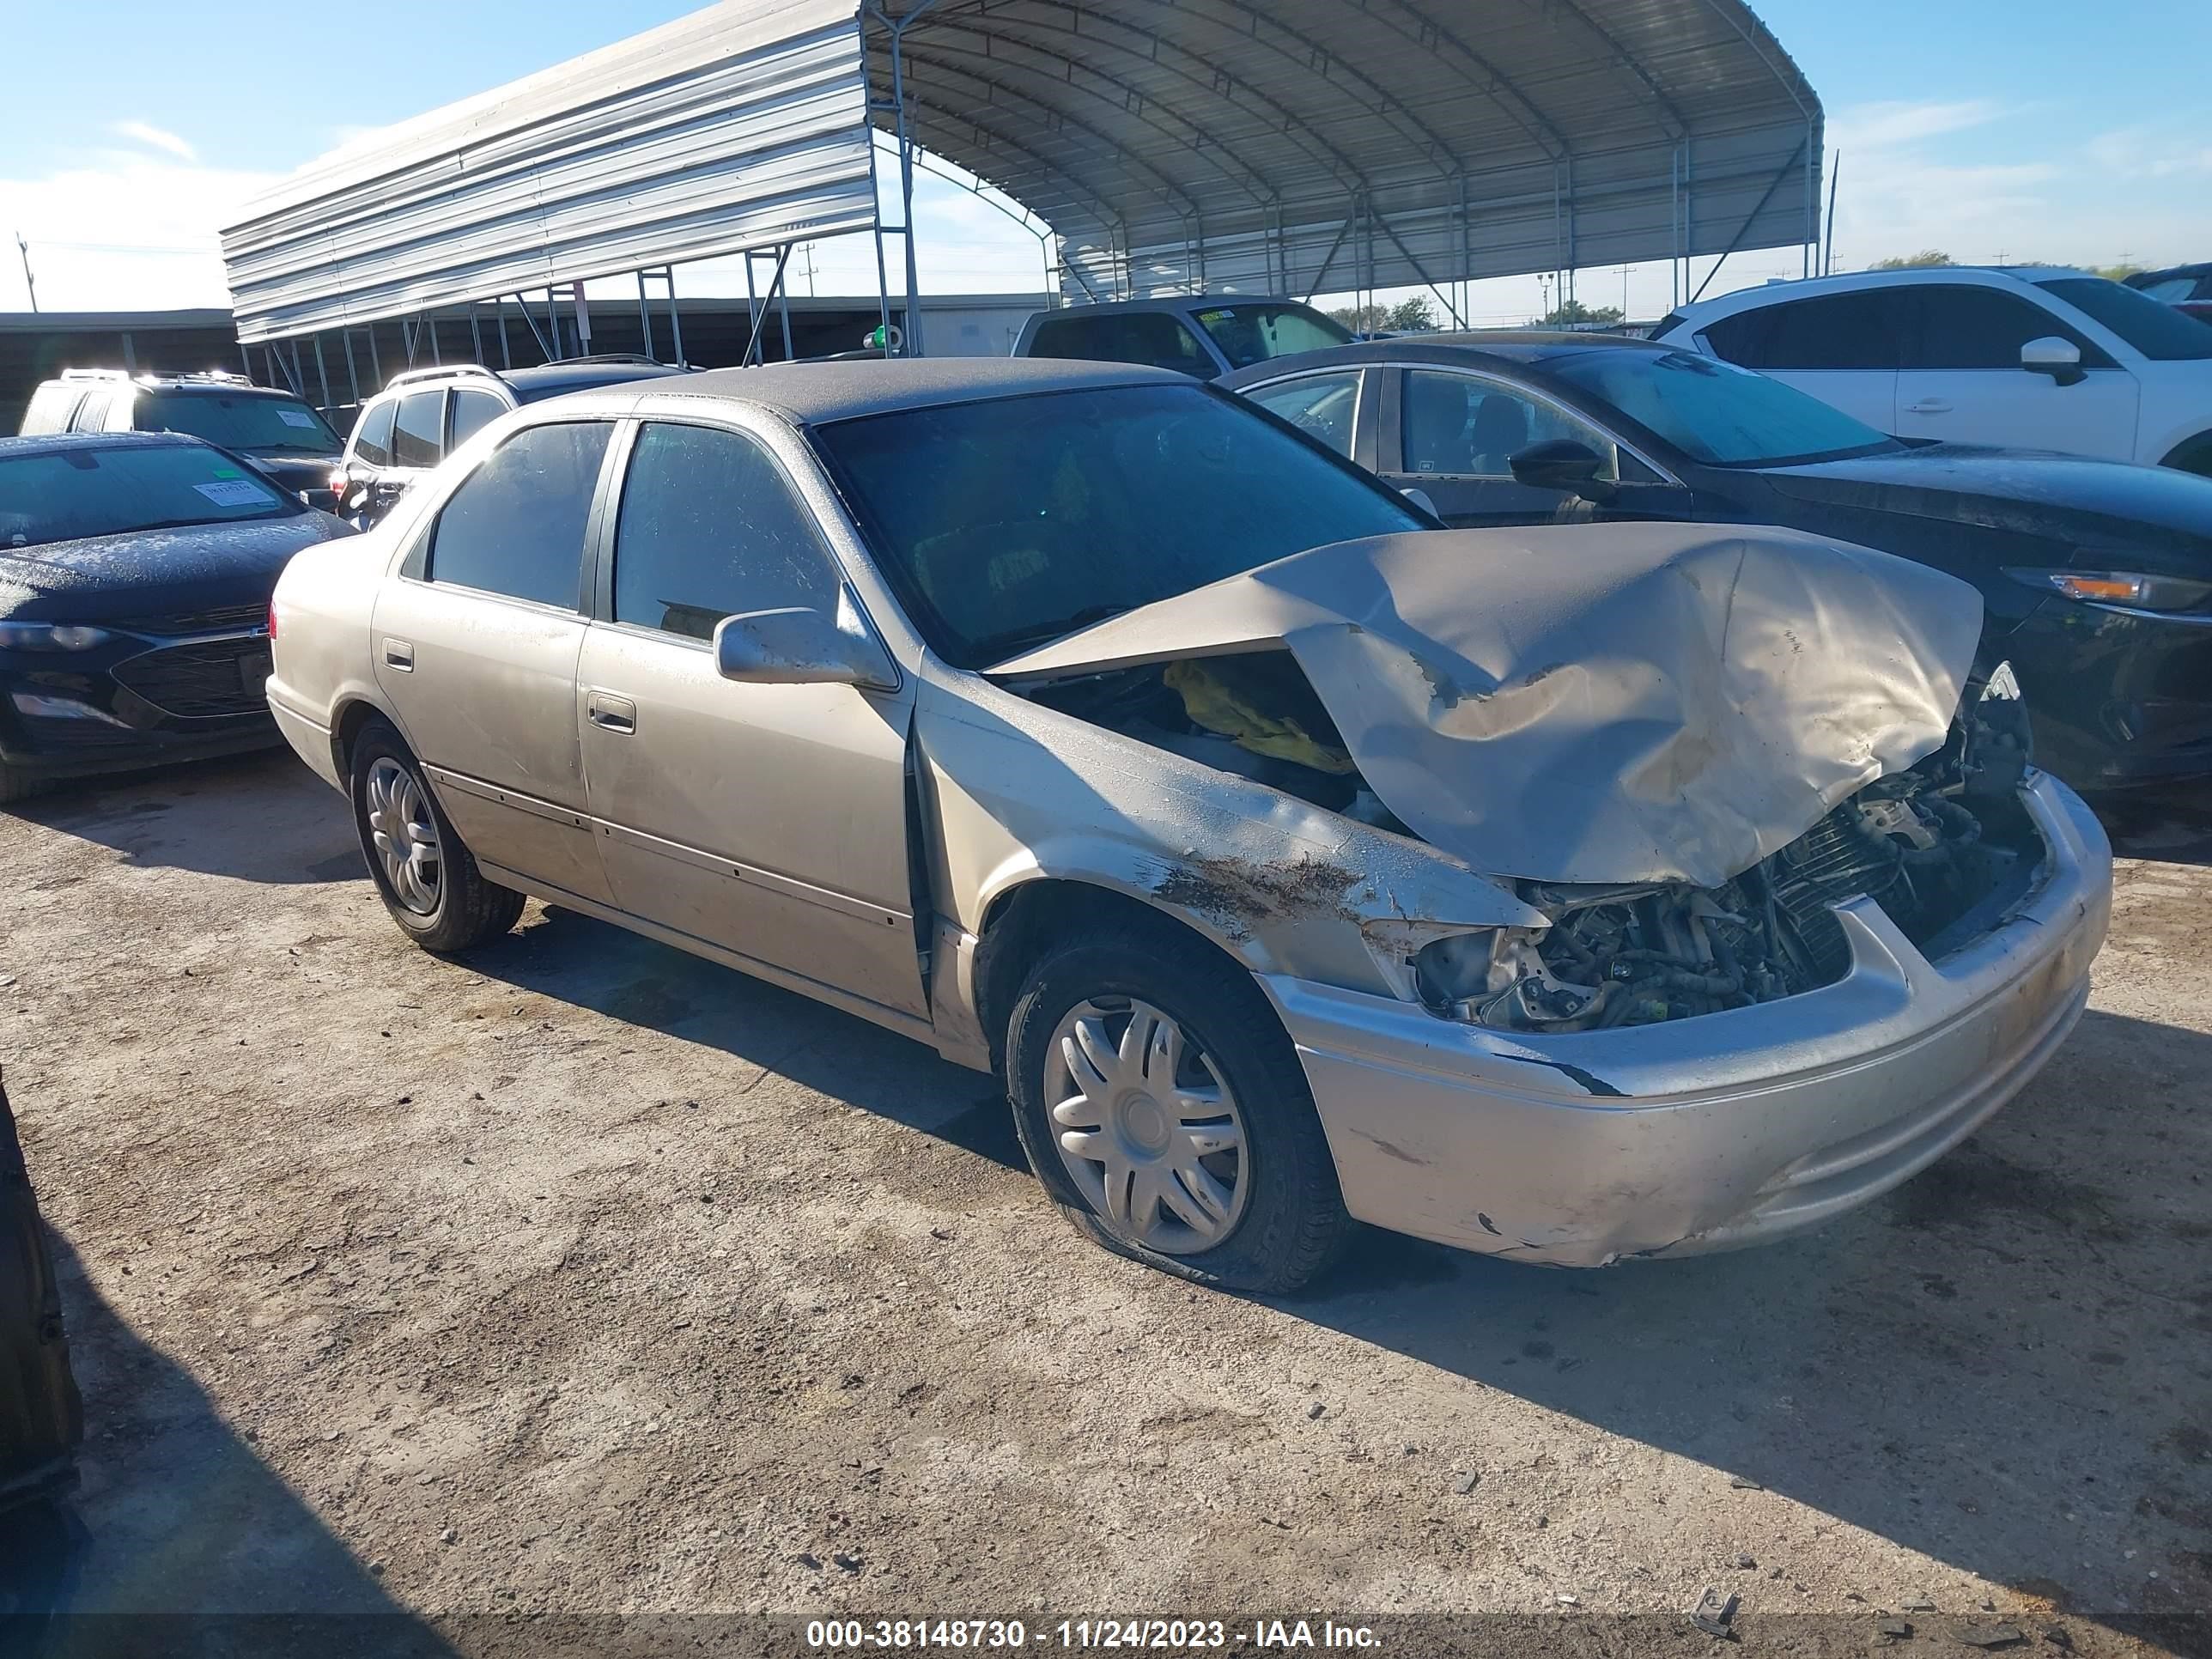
(418, 429)
(1835, 331)
(1321, 405)
(473, 411)
(1124, 337)
(372, 439)
(517, 526)
(711, 527)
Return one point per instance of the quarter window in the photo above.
(372, 440)
(711, 527)
(1458, 426)
(517, 526)
(418, 429)
(1322, 406)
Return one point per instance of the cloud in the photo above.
(156, 138)
(1889, 125)
(2150, 152)
(123, 230)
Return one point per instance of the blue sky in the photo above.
(2024, 128)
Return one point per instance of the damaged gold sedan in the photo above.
(1564, 894)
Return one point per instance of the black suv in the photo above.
(278, 432)
(424, 415)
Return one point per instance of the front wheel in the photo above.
(428, 881)
(1161, 1107)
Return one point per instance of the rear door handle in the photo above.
(610, 712)
(1928, 406)
(399, 654)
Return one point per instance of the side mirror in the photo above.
(1563, 464)
(1419, 498)
(2060, 359)
(800, 645)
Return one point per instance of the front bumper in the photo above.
(1711, 1133)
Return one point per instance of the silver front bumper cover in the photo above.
(1711, 1132)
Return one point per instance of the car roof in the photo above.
(50, 443)
(1178, 302)
(2168, 274)
(1852, 281)
(230, 386)
(1521, 346)
(813, 393)
(548, 380)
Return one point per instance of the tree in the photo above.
(1363, 319)
(1574, 311)
(1928, 258)
(2118, 273)
(1412, 316)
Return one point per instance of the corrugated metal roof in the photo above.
(1233, 145)
(1177, 144)
(739, 126)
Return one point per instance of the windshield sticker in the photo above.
(1212, 317)
(234, 492)
(296, 417)
(228, 472)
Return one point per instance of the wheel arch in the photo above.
(2191, 455)
(1021, 921)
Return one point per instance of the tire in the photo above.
(1285, 1219)
(455, 909)
(17, 784)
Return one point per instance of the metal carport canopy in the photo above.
(1300, 145)
(1286, 146)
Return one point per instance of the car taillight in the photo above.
(338, 480)
(272, 619)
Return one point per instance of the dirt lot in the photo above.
(586, 1278)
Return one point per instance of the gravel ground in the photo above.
(583, 1278)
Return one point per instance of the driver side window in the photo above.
(1460, 426)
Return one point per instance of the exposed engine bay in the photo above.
(1944, 847)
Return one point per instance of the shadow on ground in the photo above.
(592, 964)
(180, 1539)
(2171, 825)
(2017, 1335)
(262, 818)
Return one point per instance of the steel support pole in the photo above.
(783, 301)
(675, 316)
(322, 371)
(376, 361)
(476, 333)
(353, 374)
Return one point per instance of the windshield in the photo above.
(2151, 326)
(1007, 523)
(1250, 334)
(61, 494)
(250, 425)
(1714, 412)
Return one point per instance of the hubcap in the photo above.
(404, 835)
(1146, 1126)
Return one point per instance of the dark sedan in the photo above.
(2096, 575)
(135, 577)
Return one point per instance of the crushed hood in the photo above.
(1594, 702)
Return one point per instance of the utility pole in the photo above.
(30, 282)
(1623, 293)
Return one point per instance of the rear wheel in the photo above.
(425, 875)
(1161, 1107)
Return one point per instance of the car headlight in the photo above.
(51, 637)
(2126, 588)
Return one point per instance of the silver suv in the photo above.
(424, 415)
(1562, 894)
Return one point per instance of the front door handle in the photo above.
(399, 654)
(610, 712)
(1928, 406)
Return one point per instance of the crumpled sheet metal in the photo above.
(1593, 703)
